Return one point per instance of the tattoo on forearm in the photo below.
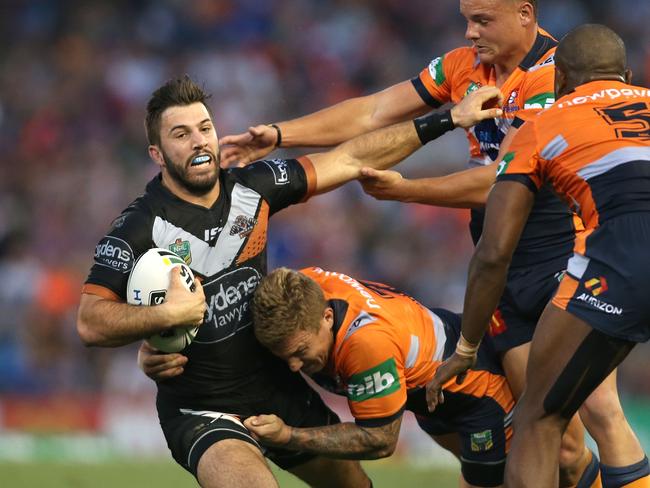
(347, 440)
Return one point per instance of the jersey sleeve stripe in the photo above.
(424, 93)
(100, 291)
(525, 180)
(554, 148)
(378, 422)
(310, 173)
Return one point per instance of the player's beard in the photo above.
(194, 185)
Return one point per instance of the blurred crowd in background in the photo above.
(74, 80)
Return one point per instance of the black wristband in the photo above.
(279, 133)
(432, 126)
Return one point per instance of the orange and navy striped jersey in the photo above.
(593, 146)
(386, 344)
(449, 78)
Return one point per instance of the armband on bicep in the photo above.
(432, 126)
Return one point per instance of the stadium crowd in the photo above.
(74, 77)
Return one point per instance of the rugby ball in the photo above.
(148, 284)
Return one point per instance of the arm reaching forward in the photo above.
(386, 147)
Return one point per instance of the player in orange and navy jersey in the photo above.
(511, 52)
(379, 347)
(593, 146)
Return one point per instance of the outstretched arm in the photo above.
(464, 189)
(345, 440)
(327, 127)
(386, 147)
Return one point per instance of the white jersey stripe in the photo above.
(210, 260)
(614, 159)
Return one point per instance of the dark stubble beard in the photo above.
(178, 173)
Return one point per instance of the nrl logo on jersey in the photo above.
(243, 226)
(182, 248)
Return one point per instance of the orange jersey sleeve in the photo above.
(521, 162)
(436, 83)
(371, 365)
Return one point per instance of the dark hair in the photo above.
(181, 91)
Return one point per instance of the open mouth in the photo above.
(200, 160)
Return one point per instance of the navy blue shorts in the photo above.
(528, 291)
(482, 422)
(608, 283)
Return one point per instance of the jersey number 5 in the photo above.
(628, 119)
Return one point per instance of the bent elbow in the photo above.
(492, 255)
(386, 450)
(86, 334)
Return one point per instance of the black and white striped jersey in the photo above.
(225, 245)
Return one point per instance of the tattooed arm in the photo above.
(345, 440)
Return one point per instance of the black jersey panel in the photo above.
(117, 251)
(281, 182)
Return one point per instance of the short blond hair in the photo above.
(286, 302)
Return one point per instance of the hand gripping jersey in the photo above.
(549, 232)
(386, 346)
(228, 370)
(593, 146)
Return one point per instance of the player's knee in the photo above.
(602, 413)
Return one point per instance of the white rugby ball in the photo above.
(148, 284)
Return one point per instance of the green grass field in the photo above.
(164, 474)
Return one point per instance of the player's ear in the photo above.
(526, 14)
(328, 317)
(156, 155)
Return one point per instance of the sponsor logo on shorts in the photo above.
(596, 285)
(279, 168)
(114, 253)
(377, 382)
(497, 324)
(481, 441)
(599, 304)
(182, 248)
(243, 226)
(436, 71)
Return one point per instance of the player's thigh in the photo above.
(450, 442)
(514, 363)
(567, 360)
(322, 472)
(232, 463)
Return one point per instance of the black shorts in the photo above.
(527, 292)
(192, 432)
(607, 283)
